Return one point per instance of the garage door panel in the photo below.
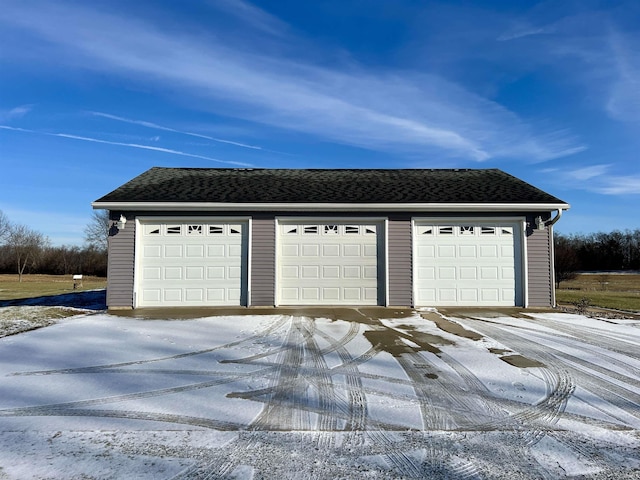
(446, 251)
(447, 295)
(466, 264)
(310, 250)
(152, 295)
(488, 251)
(332, 250)
(215, 294)
(468, 273)
(290, 251)
(352, 294)
(490, 295)
(508, 273)
(215, 273)
(331, 271)
(468, 251)
(172, 295)
(215, 251)
(172, 273)
(426, 296)
(310, 271)
(370, 250)
(152, 273)
(289, 295)
(195, 251)
(173, 251)
(370, 294)
(351, 250)
(351, 271)
(194, 273)
(331, 294)
(370, 272)
(328, 263)
(234, 295)
(426, 273)
(426, 251)
(194, 295)
(309, 293)
(506, 250)
(152, 251)
(508, 295)
(488, 273)
(290, 272)
(195, 263)
(235, 273)
(468, 295)
(447, 273)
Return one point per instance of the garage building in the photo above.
(274, 237)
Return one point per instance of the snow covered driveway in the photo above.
(414, 395)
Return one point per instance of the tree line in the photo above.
(24, 250)
(617, 251)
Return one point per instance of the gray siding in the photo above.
(400, 261)
(539, 265)
(263, 261)
(120, 265)
(120, 282)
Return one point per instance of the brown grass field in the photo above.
(33, 286)
(608, 290)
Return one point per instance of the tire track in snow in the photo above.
(580, 371)
(98, 368)
(54, 409)
(283, 405)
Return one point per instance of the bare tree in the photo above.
(566, 260)
(4, 227)
(26, 246)
(96, 233)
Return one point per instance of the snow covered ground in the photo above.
(288, 396)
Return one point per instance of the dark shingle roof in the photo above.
(233, 185)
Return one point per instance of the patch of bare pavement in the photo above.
(327, 393)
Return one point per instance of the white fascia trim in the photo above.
(334, 207)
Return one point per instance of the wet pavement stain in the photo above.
(366, 315)
(499, 351)
(521, 362)
(392, 341)
(451, 327)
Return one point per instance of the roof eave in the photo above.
(334, 207)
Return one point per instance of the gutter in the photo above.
(541, 224)
(334, 207)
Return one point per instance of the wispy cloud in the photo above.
(252, 15)
(521, 31)
(122, 144)
(16, 112)
(173, 130)
(597, 178)
(624, 98)
(619, 185)
(588, 173)
(380, 110)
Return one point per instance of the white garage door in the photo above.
(467, 264)
(192, 263)
(329, 263)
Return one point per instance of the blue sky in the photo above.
(94, 93)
